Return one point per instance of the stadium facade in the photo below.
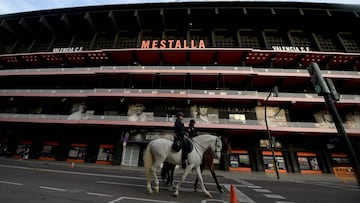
(96, 84)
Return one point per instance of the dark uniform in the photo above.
(191, 130)
(180, 133)
(179, 127)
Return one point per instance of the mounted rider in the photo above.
(191, 130)
(181, 135)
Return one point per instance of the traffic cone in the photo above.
(72, 165)
(233, 198)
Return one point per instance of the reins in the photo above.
(204, 148)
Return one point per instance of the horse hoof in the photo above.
(175, 194)
(221, 190)
(150, 192)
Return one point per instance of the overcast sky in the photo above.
(16, 6)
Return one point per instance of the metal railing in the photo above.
(161, 120)
(220, 69)
(210, 93)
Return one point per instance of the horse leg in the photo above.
(154, 169)
(212, 170)
(148, 184)
(148, 163)
(172, 170)
(183, 177)
(198, 171)
(202, 166)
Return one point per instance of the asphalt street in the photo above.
(36, 181)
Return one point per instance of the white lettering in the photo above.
(290, 49)
(68, 49)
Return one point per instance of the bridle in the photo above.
(217, 140)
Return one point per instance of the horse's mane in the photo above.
(203, 135)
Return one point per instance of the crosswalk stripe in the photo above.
(241, 197)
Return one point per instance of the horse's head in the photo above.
(217, 148)
(226, 148)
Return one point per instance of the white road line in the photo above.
(10, 183)
(99, 194)
(212, 200)
(274, 196)
(52, 188)
(182, 189)
(263, 190)
(241, 197)
(73, 172)
(254, 186)
(138, 199)
(117, 183)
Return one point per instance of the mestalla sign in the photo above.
(170, 43)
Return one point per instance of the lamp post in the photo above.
(274, 91)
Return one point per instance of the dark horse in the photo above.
(167, 171)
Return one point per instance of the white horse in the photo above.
(159, 150)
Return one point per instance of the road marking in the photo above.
(117, 183)
(99, 194)
(89, 174)
(73, 172)
(53, 188)
(263, 190)
(11, 183)
(274, 196)
(182, 189)
(138, 199)
(283, 202)
(241, 197)
(212, 200)
(253, 186)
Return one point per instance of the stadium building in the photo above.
(96, 84)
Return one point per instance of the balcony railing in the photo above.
(248, 70)
(227, 94)
(168, 122)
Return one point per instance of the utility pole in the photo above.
(274, 91)
(327, 89)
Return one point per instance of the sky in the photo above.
(17, 6)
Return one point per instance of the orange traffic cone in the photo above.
(233, 198)
(72, 165)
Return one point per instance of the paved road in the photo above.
(34, 181)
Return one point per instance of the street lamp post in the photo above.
(274, 91)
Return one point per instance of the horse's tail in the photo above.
(148, 162)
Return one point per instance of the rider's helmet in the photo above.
(179, 114)
(192, 121)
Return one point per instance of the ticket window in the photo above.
(48, 152)
(239, 160)
(77, 153)
(23, 149)
(105, 154)
(308, 162)
(268, 161)
(339, 160)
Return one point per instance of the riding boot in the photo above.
(183, 158)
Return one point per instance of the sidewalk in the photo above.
(234, 175)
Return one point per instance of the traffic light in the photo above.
(317, 79)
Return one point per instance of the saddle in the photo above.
(184, 144)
